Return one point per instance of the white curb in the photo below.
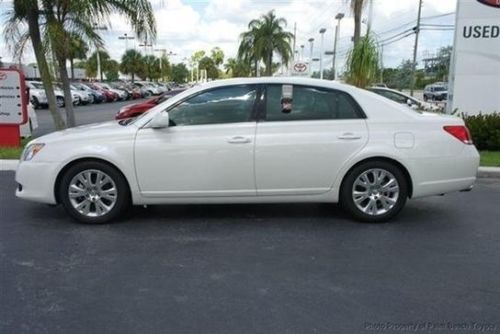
(7, 164)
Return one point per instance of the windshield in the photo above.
(439, 89)
(37, 85)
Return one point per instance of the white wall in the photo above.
(475, 69)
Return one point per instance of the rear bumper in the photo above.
(447, 174)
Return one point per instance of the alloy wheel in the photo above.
(375, 191)
(92, 193)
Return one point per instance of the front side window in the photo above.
(217, 106)
(309, 103)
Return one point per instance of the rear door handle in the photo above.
(239, 140)
(349, 136)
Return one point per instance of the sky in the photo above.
(185, 26)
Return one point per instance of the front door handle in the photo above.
(239, 140)
(349, 136)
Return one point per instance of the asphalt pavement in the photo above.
(91, 113)
(281, 268)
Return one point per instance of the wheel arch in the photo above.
(70, 164)
(403, 168)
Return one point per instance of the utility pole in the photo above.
(294, 38)
(322, 32)
(99, 71)
(338, 17)
(415, 49)
(381, 63)
(311, 42)
(126, 38)
(370, 17)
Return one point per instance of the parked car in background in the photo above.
(405, 99)
(84, 97)
(27, 128)
(436, 92)
(148, 88)
(122, 95)
(38, 98)
(109, 95)
(96, 96)
(136, 109)
(254, 140)
(76, 97)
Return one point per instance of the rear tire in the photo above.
(374, 191)
(94, 192)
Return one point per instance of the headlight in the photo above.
(30, 151)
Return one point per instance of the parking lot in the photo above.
(92, 113)
(304, 268)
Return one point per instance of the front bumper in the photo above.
(36, 181)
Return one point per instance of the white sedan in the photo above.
(255, 140)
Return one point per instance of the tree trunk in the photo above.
(358, 9)
(43, 66)
(269, 64)
(72, 68)
(68, 97)
(133, 76)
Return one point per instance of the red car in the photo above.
(136, 109)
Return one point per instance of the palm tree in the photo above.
(91, 64)
(247, 52)
(362, 62)
(217, 55)
(237, 68)
(265, 37)
(78, 49)
(28, 12)
(131, 63)
(357, 7)
(80, 16)
(151, 67)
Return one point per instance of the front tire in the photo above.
(374, 191)
(94, 192)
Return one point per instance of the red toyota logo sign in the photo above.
(492, 3)
(300, 67)
(3, 76)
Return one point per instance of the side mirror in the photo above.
(409, 102)
(160, 121)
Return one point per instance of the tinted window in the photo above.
(221, 105)
(309, 103)
(393, 96)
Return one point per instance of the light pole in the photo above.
(338, 17)
(145, 45)
(322, 32)
(34, 70)
(99, 72)
(302, 52)
(126, 38)
(311, 44)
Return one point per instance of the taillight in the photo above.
(460, 132)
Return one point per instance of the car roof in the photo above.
(374, 105)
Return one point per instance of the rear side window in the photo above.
(309, 103)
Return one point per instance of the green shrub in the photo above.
(485, 130)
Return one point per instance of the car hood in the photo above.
(83, 133)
